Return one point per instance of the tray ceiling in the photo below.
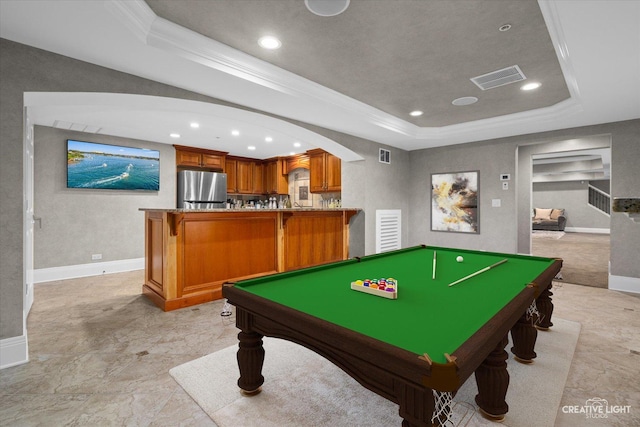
(397, 56)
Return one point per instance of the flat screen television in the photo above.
(111, 167)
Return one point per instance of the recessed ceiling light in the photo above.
(251, 147)
(174, 135)
(505, 27)
(195, 125)
(268, 139)
(269, 42)
(465, 100)
(327, 7)
(531, 86)
(235, 132)
(296, 144)
(416, 113)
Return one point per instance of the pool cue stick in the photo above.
(478, 272)
(434, 266)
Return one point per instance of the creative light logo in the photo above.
(596, 408)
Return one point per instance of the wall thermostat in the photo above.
(505, 177)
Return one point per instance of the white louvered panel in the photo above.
(388, 230)
(499, 78)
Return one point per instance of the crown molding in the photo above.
(137, 16)
(551, 17)
(177, 40)
(496, 124)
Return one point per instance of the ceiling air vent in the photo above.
(499, 78)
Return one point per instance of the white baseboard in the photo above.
(13, 351)
(587, 230)
(624, 284)
(84, 270)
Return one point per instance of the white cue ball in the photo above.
(459, 259)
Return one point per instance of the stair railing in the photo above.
(599, 200)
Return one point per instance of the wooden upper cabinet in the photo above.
(297, 161)
(325, 172)
(230, 170)
(258, 178)
(276, 181)
(244, 176)
(190, 157)
(333, 171)
(316, 173)
(213, 161)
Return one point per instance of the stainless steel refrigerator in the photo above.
(202, 190)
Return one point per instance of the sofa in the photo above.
(548, 219)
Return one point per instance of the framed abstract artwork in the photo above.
(454, 202)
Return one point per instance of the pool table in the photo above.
(412, 349)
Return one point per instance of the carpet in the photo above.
(586, 257)
(546, 234)
(303, 389)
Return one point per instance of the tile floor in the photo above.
(100, 353)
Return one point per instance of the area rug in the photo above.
(546, 234)
(303, 389)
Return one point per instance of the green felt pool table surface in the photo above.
(448, 315)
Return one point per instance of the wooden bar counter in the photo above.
(190, 253)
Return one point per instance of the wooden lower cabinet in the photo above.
(189, 255)
(312, 239)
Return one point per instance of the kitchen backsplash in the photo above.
(300, 194)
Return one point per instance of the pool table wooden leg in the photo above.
(416, 404)
(545, 307)
(524, 336)
(250, 360)
(492, 379)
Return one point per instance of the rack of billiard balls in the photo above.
(386, 288)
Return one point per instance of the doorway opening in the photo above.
(563, 217)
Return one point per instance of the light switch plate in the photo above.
(495, 203)
(505, 185)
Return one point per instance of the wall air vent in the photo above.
(384, 156)
(388, 230)
(499, 78)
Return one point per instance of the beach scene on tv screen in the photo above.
(111, 167)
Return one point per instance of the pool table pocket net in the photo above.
(443, 407)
